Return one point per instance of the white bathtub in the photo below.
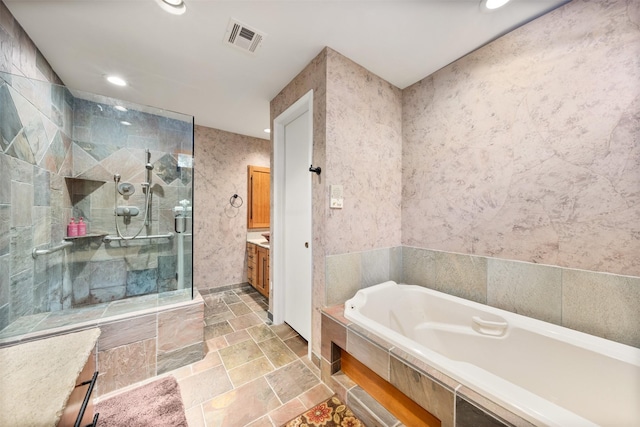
(546, 374)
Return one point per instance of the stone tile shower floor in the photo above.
(254, 373)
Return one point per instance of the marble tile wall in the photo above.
(364, 155)
(313, 77)
(527, 149)
(357, 142)
(221, 230)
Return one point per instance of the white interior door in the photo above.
(297, 230)
(291, 250)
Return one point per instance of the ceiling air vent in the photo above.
(243, 37)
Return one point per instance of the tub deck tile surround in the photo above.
(430, 388)
(373, 356)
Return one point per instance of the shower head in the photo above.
(149, 166)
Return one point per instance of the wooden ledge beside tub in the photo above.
(42, 381)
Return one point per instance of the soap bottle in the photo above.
(72, 228)
(82, 227)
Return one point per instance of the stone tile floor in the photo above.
(254, 373)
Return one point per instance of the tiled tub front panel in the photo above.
(600, 304)
(453, 404)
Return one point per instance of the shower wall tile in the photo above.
(4, 316)
(107, 273)
(41, 225)
(418, 266)
(5, 229)
(5, 279)
(344, 277)
(5, 179)
(528, 289)
(21, 294)
(41, 187)
(461, 275)
(10, 124)
(20, 171)
(40, 297)
(33, 127)
(140, 282)
(20, 148)
(113, 293)
(21, 204)
(20, 248)
(604, 305)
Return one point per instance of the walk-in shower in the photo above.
(123, 168)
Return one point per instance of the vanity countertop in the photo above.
(39, 376)
(260, 242)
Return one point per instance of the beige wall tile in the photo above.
(343, 278)
(418, 266)
(604, 305)
(528, 289)
(461, 275)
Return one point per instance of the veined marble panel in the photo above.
(527, 149)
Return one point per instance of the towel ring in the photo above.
(233, 201)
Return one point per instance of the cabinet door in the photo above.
(251, 264)
(262, 283)
(259, 191)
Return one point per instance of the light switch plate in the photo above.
(337, 200)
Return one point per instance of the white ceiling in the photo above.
(179, 63)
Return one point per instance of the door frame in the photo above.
(302, 105)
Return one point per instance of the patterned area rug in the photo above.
(330, 413)
(156, 404)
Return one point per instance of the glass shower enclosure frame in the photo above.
(126, 170)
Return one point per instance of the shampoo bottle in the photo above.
(72, 228)
(82, 227)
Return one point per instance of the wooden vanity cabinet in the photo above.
(262, 284)
(258, 268)
(252, 254)
(258, 197)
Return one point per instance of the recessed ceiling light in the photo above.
(175, 7)
(267, 130)
(120, 108)
(493, 4)
(115, 80)
(125, 123)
